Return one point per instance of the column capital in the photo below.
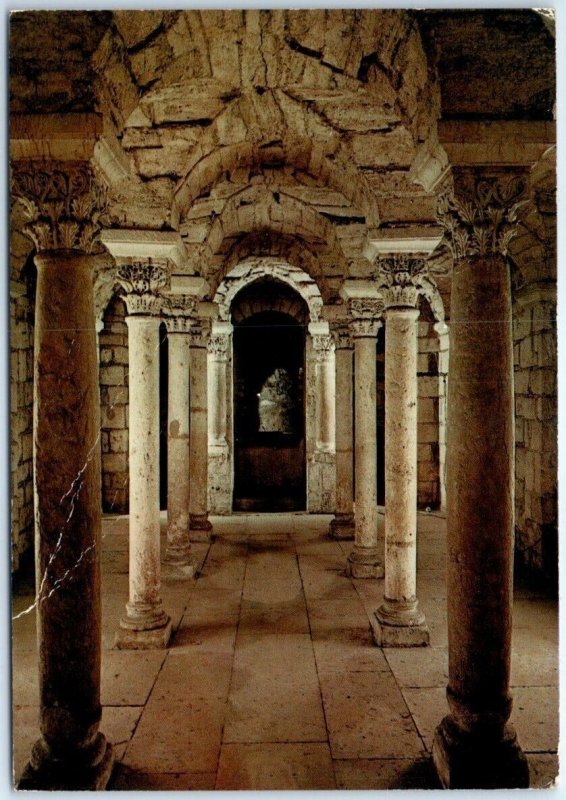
(323, 346)
(342, 335)
(200, 333)
(142, 283)
(64, 203)
(479, 213)
(399, 278)
(366, 315)
(180, 312)
(218, 345)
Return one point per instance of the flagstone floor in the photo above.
(271, 679)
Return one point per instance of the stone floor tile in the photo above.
(348, 651)
(535, 715)
(419, 667)
(428, 707)
(128, 677)
(274, 695)
(390, 773)
(367, 717)
(543, 769)
(25, 682)
(25, 732)
(280, 617)
(119, 722)
(534, 667)
(275, 766)
(125, 778)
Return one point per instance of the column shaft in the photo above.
(326, 415)
(365, 561)
(342, 526)
(398, 621)
(71, 754)
(146, 624)
(476, 735)
(178, 456)
(199, 522)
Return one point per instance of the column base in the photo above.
(364, 563)
(171, 571)
(466, 760)
(387, 635)
(200, 528)
(342, 527)
(145, 627)
(44, 772)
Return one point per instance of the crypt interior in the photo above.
(283, 399)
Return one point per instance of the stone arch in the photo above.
(254, 269)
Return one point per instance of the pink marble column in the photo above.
(145, 625)
(475, 746)
(366, 558)
(72, 753)
(342, 526)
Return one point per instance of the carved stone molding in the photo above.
(323, 346)
(342, 336)
(142, 283)
(365, 327)
(63, 203)
(479, 215)
(399, 278)
(219, 344)
(200, 333)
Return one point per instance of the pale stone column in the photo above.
(179, 318)
(342, 526)
(325, 393)
(71, 754)
(219, 468)
(366, 559)
(398, 622)
(475, 746)
(200, 526)
(322, 458)
(146, 625)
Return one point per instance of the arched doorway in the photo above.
(269, 320)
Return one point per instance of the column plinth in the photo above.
(475, 747)
(146, 625)
(178, 563)
(343, 524)
(366, 559)
(71, 753)
(200, 526)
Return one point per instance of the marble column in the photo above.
(220, 466)
(366, 559)
(145, 625)
(179, 318)
(325, 394)
(399, 622)
(475, 746)
(200, 526)
(71, 754)
(342, 526)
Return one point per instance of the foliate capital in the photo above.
(199, 333)
(342, 336)
(479, 214)
(366, 314)
(218, 345)
(180, 312)
(142, 283)
(399, 277)
(64, 205)
(322, 346)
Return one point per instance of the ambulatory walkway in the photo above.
(271, 679)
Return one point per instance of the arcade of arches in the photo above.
(282, 297)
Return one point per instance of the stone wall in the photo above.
(430, 414)
(113, 341)
(22, 279)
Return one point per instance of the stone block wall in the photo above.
(22, 276)
(113, 343)
(431, 416)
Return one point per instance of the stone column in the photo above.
(71, 754)
(475, 746)
(219, 468)
(322, 456)
(179, 318)
(398, 622)
(366, 559)
(342, 526)
(200, 526)
(325, 393)
(146, 625)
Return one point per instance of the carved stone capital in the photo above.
(399, 277)
(142, 283)
(180, 312)
(63, 203)
(366, 314)
(342, 336)
(479, 214)
(218, 345)
(322, 346)
(199, 333)
(365, 327)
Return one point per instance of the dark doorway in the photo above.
(269, 411)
